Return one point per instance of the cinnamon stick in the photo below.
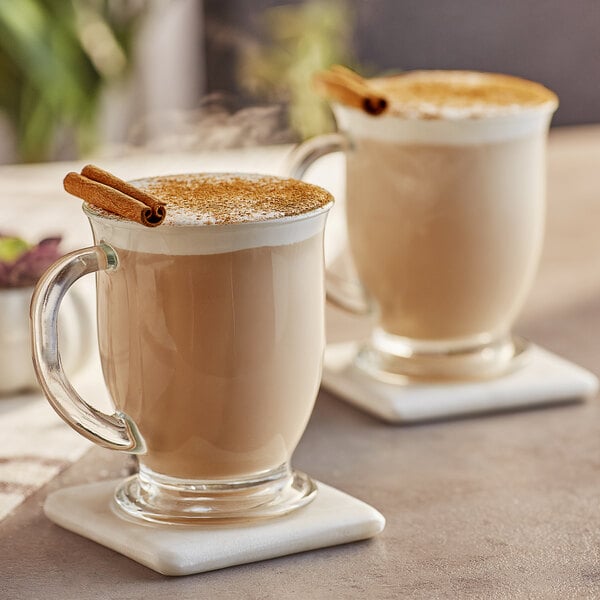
(347, 73)
(341, 84)
(103, 190)
(102, 176)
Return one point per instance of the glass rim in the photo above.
(116, 221)
(547, 108)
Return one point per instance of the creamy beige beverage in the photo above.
(445, 212)
(221, 366)
(447, 238)
(215, 350)
(211, 334)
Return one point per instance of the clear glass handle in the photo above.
(116, 431)
(341, 292)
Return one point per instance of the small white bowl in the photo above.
(16, 367)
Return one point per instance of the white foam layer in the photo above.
(233, 197)
(435, 94)
(206, 238)
(453, 130)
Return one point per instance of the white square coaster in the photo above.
(544, 379)
(332, 518)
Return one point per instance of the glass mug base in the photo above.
(397, 359)
(149, 496)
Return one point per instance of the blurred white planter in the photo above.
(16, 368)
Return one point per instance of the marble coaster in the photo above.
(332, 518)
(544, 379)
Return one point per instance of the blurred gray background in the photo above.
(194, 75)
(556, 42)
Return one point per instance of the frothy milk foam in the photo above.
(211, 335)
(445, 201)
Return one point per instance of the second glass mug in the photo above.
(445, 224)
(224, 321)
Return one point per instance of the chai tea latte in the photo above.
(212, 340)
(448, 243)
(445, 213)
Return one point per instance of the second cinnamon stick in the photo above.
(350, 89)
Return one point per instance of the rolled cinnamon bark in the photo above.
(112, 200)
(101, 176)
(349, 88)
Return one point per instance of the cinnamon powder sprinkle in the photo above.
(224, 198)
(460, 93)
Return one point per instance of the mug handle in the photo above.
(343, 293)
(116, 431)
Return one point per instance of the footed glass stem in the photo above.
(152, 497)
(392, 358)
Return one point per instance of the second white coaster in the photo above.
(332, 518)
(544, 379)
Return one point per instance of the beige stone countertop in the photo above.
(504, 506)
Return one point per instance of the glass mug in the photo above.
(211, 340)
(445, 221)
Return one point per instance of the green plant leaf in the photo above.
(50, 81)
(11, 248)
